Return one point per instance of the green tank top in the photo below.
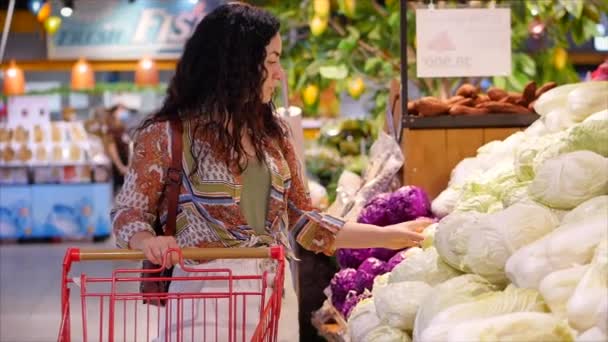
(254, 196)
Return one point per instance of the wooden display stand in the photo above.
(432, 146)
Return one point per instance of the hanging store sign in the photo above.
(463, 42)
(118, 29)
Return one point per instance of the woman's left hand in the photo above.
(407, 234)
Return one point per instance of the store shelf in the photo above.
(42, 185)
(481, 121)
(96, 65)
(35, 165)
(586, 57)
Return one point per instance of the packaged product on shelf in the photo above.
(5, 134)
(15, 154)
(21, 134)
(40, 134)
(13, 175)
(76, 174)
(57, 132)
(57, 155)
(76, 132)
(7, 154)
(76, 153)
(101, 174)
(46, 175)
(41, 153)
(24, 154)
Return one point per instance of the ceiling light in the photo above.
(68, 8)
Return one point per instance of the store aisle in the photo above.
(30, 277)
(29, 289)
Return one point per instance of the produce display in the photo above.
(342, 145)
(359, 267)
(469, 100)
(521, 250)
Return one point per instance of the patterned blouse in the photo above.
(208, 211)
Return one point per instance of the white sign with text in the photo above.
(463, 42)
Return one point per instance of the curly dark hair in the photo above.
(219, 80)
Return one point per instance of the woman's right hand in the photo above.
(155, 247)
(407, 234)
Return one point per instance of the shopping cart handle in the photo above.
(275, 252)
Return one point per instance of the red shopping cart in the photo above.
(113, 309)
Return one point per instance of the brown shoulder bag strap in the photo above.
(174, 176)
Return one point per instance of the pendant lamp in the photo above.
(83, 76)
(14, 81)
(146, 73)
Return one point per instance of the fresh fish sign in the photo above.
(117, 29)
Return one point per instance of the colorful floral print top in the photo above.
(208, 211)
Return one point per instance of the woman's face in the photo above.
(272, 64)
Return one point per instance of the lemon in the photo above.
(356, 87)
(318, 25)
(321, 8)
(350, 8)
(560, 57)
(310, 94)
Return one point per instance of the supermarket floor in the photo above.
(30, 302)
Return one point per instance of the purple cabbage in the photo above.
(395, 260)
(383, 254)
(342, 282)
(412, 202)
(377, 211)
(363, 280)
(405, 204)
(352, 258)
(369, 269)
(352, 299)
(373, 266)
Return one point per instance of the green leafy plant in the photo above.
(328, 43)
(345, 45)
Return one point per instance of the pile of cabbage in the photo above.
(521, 250)
(359, 267)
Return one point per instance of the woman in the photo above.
(108, 125)
(241, 184)
(117, 142)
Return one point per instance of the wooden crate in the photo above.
(432, 154)
(432, 146)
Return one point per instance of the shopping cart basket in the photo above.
(113, 309)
